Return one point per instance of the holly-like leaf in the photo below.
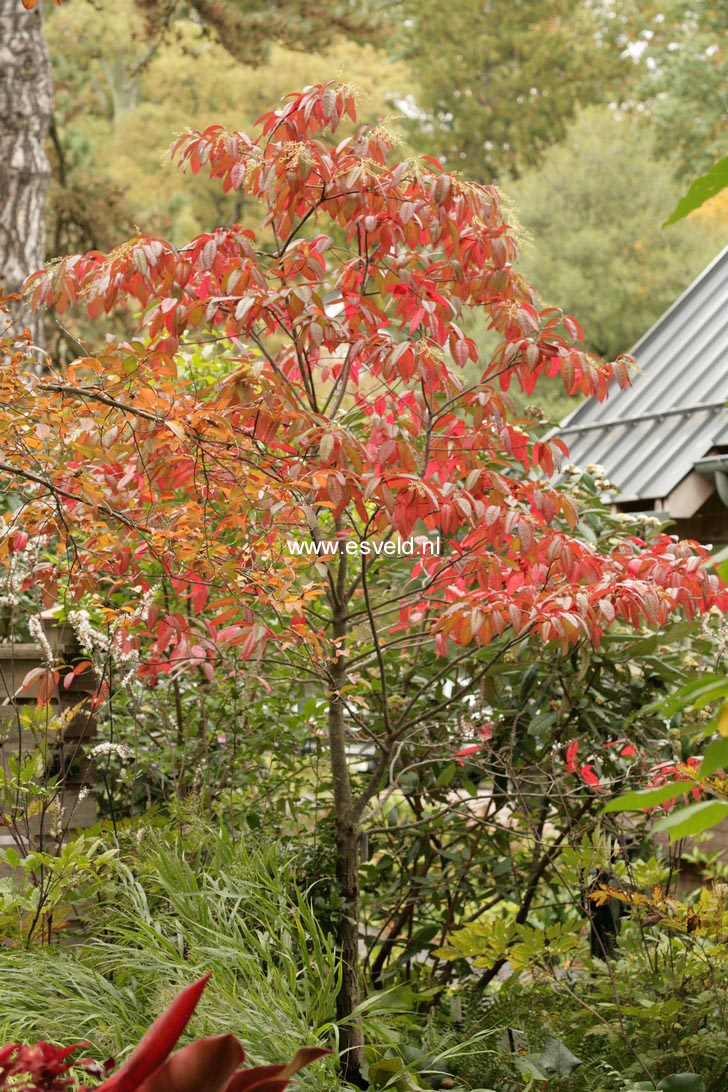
(556, 1060)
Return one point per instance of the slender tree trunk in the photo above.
(347, 864)
(26, 103)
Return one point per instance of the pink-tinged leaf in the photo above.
(32, 677)
(157, 1043)
(18, 542)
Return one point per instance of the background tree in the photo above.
(514, 74)
(26, 100)
(118, 102)
(121, 95)
(603, 253)
(124, 82)
(679, 85)
(248, 28)
(499, 80)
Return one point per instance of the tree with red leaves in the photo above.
(346, 411)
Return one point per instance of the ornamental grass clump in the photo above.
(212, 1064)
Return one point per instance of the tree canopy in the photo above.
(500, 79)
(337, 418)
(603, 252)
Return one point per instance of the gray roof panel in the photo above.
(649, 437)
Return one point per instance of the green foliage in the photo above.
(641, 799)
(499, 81)
(702, 189)
(693, 819)
(178, 905)
(657, 1008)
(679, 84)
(120, 103)
(602, 253)
(696, 776)
(42, 892)
(523, 946)
(178, 899)
(43, 878)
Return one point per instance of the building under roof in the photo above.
(664, 441)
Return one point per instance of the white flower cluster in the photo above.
(14, 576)
(100, 645)
(17, 568)
(141, 610)
(597, 472)
(35, 627)
(93, 640)
(121, 750)
(629, 519)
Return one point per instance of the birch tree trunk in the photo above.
(26, 103)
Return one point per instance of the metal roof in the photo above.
(649, 437)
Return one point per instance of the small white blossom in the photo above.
(88, 637)
(35, 626)
(121, 750)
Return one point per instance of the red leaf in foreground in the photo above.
(207, 1065)
(204, 1066)
(464, 751)
(587, 772)
(571, 756)
(158, 1041)
(273, 1078)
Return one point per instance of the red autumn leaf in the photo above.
(158, 1041)
(471, 749)
(588, 774)
(207, 1065)
(18, 542)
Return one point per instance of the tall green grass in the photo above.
(171, 914)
